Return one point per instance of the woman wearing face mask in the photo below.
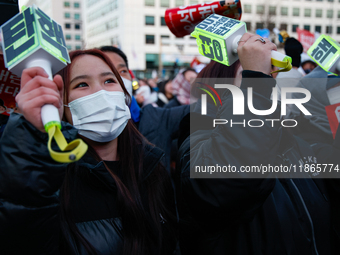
(159, 125)
(116, 200)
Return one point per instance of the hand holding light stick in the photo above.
(32, 39)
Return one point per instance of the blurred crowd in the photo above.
(132, 192)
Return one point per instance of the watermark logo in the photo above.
(204, 97)
(239, 104)
(238, 100)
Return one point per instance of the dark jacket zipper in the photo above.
(283, 157)
(307, 212)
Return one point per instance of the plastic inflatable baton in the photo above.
(182, 20)
(30, 39)
(326, 53)
(217, 38)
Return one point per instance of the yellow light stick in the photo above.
(326, 52)
(31, 38)
(217, 38)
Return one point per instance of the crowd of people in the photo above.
(132, 193)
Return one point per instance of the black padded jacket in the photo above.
(30, 183)
(250, 216)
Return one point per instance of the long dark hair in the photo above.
(142, 231)
(210, 75)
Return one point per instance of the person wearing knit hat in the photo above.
(294, 49)
(291, 78)
(307, 64)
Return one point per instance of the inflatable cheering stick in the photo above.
(182, 20)
(326, 52)
(30, 39)
(217, 38)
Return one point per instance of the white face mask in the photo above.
(128, 85)
(101, 116)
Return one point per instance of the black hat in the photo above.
(294, 49)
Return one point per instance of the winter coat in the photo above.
(30, 183)
(161, 125)
(316, 83)
(242, 215)
(173, 103)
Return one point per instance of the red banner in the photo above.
(333, 114)
(306, 38)
(182, 20)
(195, 62)
(9, 88)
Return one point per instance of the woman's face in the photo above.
(89, 74)
(168, 90)
(168, 87)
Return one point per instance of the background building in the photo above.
(69, 15)
(138, 26)
(321, 16)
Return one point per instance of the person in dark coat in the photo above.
(316, 130)
(240, 213)
(117, 199)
